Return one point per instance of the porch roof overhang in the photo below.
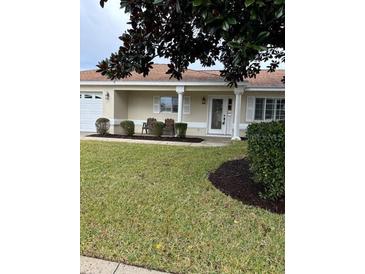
(178, 83)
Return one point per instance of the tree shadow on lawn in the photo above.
(233, 178)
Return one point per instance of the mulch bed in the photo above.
(234, 179)
(149, 137)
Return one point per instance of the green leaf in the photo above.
(178, 8)
(279, 12)
(156, 2)
(263, 35)
(257, 47)
(260, 3)
(249, 2)
(205, 14)
(236, 60)
(213, 19)
(279, 2)
(253, 15)
(197, 3)
(231, 20)
(123, 4)
(234, 44)
(102, 3)
(225, 26)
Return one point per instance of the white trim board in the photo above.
(156, 83)
(273, 89)
(176, 83)
(196, 124)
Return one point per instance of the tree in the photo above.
(238, 33)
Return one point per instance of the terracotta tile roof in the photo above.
(158, 73)
(268, 79)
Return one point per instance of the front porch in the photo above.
(208, 111)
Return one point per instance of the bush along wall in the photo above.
(266, 154)
(128, 127)
(102, 125)
(181, 129)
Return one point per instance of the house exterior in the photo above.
(201, 99)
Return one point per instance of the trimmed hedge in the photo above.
(266, 153)
(157, 128)
(128, 127)
(102, 125)
(181, 129)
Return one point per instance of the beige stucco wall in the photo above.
(120, 105)
(141, 105)
(136, 103)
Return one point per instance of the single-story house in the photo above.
(201, 99)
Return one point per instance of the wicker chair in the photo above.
(169, 128)
(148, 125)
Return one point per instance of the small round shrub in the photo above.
(157, 128)
(128, 127)
(181, 129)
(102, 125)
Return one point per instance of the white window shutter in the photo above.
(156, 104)
(250, 108)
(186, 105)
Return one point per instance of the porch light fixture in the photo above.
(107, 96)
(203, 100)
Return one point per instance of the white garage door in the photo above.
(91, 108)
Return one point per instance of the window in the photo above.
(168, 104)
(268, 109)
(280, 109)
(259, 108)
(87, 96)
(97, 97)
(229, 104)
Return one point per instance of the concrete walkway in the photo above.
(96, 266)
(208, 141)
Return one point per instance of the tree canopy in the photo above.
(238, 33)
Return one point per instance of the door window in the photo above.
(217, 109)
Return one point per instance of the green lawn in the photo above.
(153, 206)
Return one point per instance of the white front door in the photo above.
(220, 115)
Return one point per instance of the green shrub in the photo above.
(128, 127)
(157, 128)
(102, 125)
(266, 153)
(181, 129)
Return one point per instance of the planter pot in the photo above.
(157, 129)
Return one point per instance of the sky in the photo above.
(99, 32)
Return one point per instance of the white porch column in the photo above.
(237, 112)
(180, 92)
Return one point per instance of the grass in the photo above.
(153, 206)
